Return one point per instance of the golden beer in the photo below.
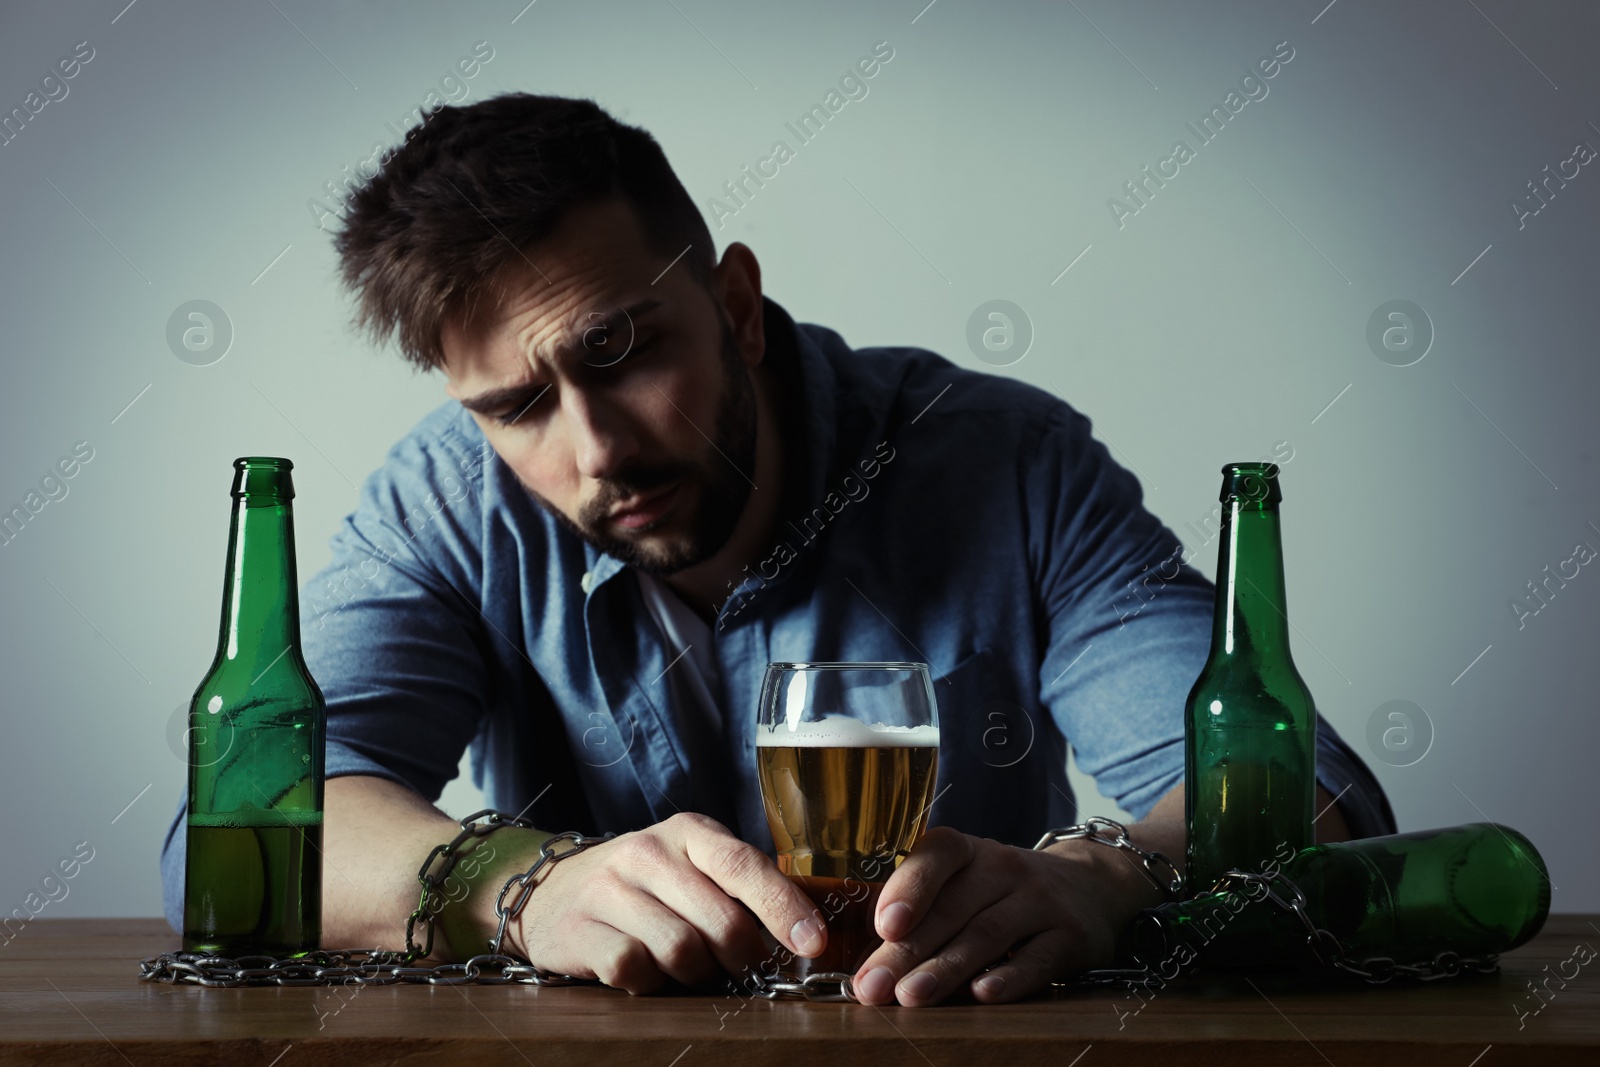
(845, 800)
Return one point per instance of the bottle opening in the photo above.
(263, 477)
(1252, 483)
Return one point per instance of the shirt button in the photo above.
(586, 581)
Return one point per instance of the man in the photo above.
(651, 482)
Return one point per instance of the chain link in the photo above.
(524, 881)
(433, 896)
(341, 967)
(1326, 947)
(1162, 872)
(825, 987)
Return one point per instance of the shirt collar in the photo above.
(807, 405)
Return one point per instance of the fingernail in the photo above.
(895, 921)
(877, 986)
(919, 986)
(807, 936)
(991, 985)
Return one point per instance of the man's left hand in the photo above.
(958, 904)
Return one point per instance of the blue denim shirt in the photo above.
(931, 513)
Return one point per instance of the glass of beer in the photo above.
(847, 755)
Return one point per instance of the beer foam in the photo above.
(840, 731)
(255, 818)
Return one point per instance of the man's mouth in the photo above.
(644, 510)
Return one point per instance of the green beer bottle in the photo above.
(253, 880)
(1476, 890)
(1250, 724)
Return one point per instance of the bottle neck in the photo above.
(1251, 615)
(260, 599)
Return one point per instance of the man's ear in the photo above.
(736, 285)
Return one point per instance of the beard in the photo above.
(716, 486)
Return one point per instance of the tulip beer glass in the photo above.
(847, 755)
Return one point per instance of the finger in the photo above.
(911, 890)
(987, 938)
(966, 899)
(1033, 966)
(727, 929)
(745, 873)
(675, 947)
(617, 959)
(657, 862)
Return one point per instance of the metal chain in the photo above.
(524, 881)
(341, 967)
(824, 986)
(1326, 947)
(387, 966)
(433, 896)
(1162, 872)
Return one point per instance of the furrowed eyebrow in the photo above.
(572, 346)
(495, 399)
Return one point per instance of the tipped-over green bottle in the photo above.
(1477, 890)
(253, 880)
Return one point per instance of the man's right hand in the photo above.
(664, 902)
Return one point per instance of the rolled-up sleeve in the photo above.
(392, 629)
(1128, 629)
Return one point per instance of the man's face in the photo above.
(615, 392)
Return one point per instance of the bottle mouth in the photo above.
(265, 478)
(842, 665)
(1253, 483)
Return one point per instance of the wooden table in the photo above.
(69, 995)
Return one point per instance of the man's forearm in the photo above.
(375, 835)
(1163, 830)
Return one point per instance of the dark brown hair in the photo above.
(432, 233)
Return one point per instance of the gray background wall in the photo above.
(1223, 318)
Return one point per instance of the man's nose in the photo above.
(603, 439)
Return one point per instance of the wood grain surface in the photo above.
(69, 994)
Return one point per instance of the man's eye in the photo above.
(507, 418)
(601, 358)
(511, 415)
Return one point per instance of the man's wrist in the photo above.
(1124, 889)
(1126, 884)
(467, 920)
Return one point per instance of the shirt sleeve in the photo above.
(1129, 628)
(390, 628)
